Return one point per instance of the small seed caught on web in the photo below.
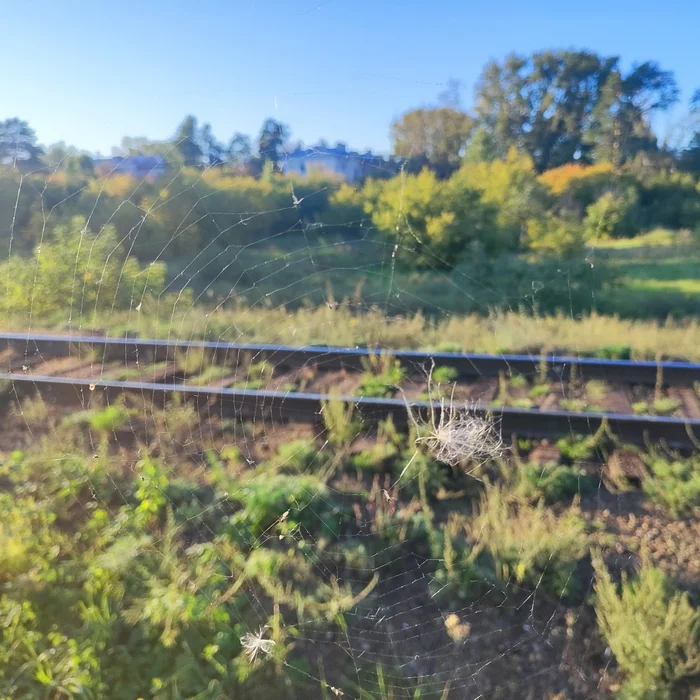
(92, 387)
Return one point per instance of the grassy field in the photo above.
(656, 271)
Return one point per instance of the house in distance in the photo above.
(349, 165)
(137, 165)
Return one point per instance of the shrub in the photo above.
(382, 376)
(553, 482)
(530, 543)
(338, 421)
(675, 485)
(653, 632)
(79, 272)
(264, 502)
(109, 419)
(611, 216)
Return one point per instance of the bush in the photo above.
(78, 272)
(553, 482)
(264, 502)
(530, 543)
(611, 216)
(653, 632)
(675, 485)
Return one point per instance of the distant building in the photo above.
(349, 165)
(138, 166)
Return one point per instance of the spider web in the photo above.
(270, 556)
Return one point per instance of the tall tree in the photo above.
(186, 142)
(542, 104)
(436, 136)
(240, 150)
(621, 126)
(213, 151)
(271, 141)
(690, 156)
(18, 143)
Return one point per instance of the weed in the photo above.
(573, 405)
(338, 418)
(374, 459)
(530, 543)
(596, 390)
(653, 632)
(539, 390)
(285, 501)
(33, 411)
(578, 447)
(552, 482)
(675, 485)
(665, 406)
(518, 381)
(640, 408)
(382, 376)
(257, 376)
(445, 375)
(522, 402)
(191, 361)
(109, 419)
(209, 375)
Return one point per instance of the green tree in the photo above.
(186, 142)
(213, 152)
(560, 106)
(18, 144)
(620, 127)
(542, 104)
(240, 150)
(436, 137)
(271, 141)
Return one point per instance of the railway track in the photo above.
(467, 364)
(306, 406)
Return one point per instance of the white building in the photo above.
(349, 165)
(138, 166)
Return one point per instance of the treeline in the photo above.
(475, 192)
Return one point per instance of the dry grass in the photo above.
(342, 326)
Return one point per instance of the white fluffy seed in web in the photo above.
(457, 434)
(256, 644)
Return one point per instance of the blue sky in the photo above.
(91, 72)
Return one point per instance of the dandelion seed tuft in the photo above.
(256, 644)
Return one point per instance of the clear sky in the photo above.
(91, 72)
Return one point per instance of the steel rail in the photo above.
(304, 407)
(468, 365)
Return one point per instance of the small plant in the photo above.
(374, 459)
(109, 419)
(596, 391)
(530, 544)
(257, 376)
(338, 419)
(191, 361)
(614, 352)
(675, 485)
(552, 482)
(640, 408)
(665, 406)
(653, 632)
(298, 456)
(578, 447)
(539, 390)
(517, 381)
(382, 376)
(574, 405)
(33, 411)
(444, 375)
